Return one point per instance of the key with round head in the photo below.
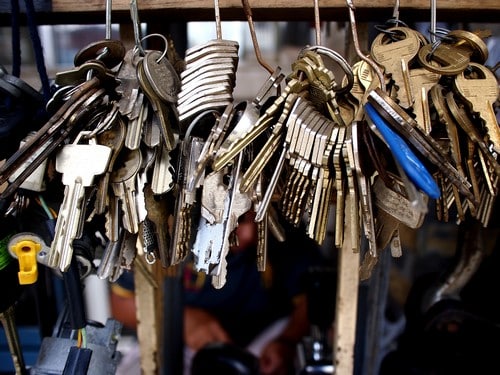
(395, 54)
(479, 89)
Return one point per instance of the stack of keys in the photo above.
(210, 75)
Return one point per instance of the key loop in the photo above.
(337, 58)
(149, 36)
(197, 119)
(150, 257)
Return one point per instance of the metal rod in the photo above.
(258, 55)
(109, 7)
(433, 21)
(218, 29)
(317, 22)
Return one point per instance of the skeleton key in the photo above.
(79, 164)
(123, 181)
(480, 93)
(112, 138)
(158, 213)
(395, 57)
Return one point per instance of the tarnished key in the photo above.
(123, 181)
(128, 86)
(112, 138)
(79, 164)
(480, 90)
(158, 213)
(162, 76)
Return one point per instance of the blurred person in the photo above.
(263, 312)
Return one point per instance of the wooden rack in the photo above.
(88, 12)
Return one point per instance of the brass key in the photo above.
(480, 90)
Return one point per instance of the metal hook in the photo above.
(134, 14)
(317, 22)
(433, 21)
(362, 56)
(395, 11)
(258, 55)
(109, 8)
(218, 28)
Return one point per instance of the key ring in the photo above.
(337, 58)
(138, 48)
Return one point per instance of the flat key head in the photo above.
(84, 161)
(450, 60)
(162, 76)
(110, 52)
(388, 52)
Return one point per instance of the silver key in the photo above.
(162, 181)
(79, 164)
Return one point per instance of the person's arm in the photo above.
(278, 355)
(202, 328)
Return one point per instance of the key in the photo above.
(79, 164)
(162, 181)
(480, 90)
(159, 107)
(136, 125)
(112, 138)
(157, 214)
(123, 181)
(395, 56)
(421, 81)
(181, 237)
(238, 204)
(161, 76)
(364, 190)
(8, 320)
(82, 73)
(128, 86)
(348, 155)
(110, 258)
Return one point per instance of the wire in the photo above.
(45, 207)
(84, 337)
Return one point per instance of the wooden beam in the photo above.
(92, 11)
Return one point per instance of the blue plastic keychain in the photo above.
(413, 167)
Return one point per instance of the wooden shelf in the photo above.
(92, 11)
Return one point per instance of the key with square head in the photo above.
(124, 184)
(479, 88)
(79, 164)
(395, 56)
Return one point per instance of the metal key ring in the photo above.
(141, 50)
(339, 59)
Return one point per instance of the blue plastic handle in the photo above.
(413, 167)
